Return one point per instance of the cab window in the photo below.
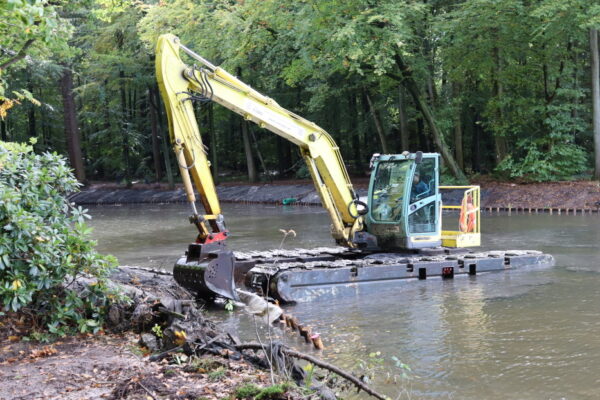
(388, 190)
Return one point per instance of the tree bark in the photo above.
(252, 175)
(403, 120)
(155, 141)
(3, 130)
(410, 85)
(251, 165)
(378, 124)
(32, 125)
(476, 143)
(213, 143)
(71, 125)
(125, 133)
(458, 142)
(164, 139)
(354, 132)
(595, 69)
(458, 130)
(500, 144)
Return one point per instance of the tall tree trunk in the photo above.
(353, 131)
(213, 143)
(252, 175)
(164, 138)
(251, 165)
(124, 131)
(458, 131)
(378, 125)
(31, 126)
(595, 99)
(458, 142)
(404, 144)
(500, 144)
(410, 85)
(155, 141)
(3, 130)
(476, 143)
(71, 125)
(258, 153)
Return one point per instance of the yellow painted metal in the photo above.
(451, 238)
(183, 129)
(318, 148)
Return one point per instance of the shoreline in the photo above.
(552, 197)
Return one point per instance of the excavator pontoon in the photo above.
(395, 234)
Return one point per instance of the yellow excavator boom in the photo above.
(179, 83)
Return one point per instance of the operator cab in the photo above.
(404, 201)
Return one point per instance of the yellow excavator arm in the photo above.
(180, 83)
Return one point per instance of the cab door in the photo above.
(424, 222)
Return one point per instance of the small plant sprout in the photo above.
(157, 330)
(229, 305)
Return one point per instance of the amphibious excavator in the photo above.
(395, 234)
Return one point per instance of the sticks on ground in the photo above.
(296, 354)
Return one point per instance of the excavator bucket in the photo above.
(218, 276)
(207, 270)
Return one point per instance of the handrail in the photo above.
(470, 203)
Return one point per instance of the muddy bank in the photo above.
(157, 345)
(301, 193)
(580, 195)
(117, 363)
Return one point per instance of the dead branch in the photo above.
(21, 54)
(320, 363)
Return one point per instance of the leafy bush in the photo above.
(45, 244)
(561, 161)
(302, 172)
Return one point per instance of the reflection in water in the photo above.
(529, 334)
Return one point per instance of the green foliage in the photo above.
(217, 374)
(310, 372)
(273, 392)
(27, 27)
(561, 161)
(514, 74)
(45, 244)
(157, 330)
(248, 391)
(251, 391)
(302, 172)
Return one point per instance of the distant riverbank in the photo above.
(577, 195)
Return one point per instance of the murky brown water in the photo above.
(531, 334)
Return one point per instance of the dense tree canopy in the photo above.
(497, 86)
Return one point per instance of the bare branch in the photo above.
(21, 54)
(320, 363)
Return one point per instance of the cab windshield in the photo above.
(388, 190)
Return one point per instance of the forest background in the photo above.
(503, 87)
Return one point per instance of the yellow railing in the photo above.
(468, 233)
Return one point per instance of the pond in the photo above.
(530, 334)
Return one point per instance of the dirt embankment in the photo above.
(157, 346)
(580, 195)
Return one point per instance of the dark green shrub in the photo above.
(45, 245)
(557, 162)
